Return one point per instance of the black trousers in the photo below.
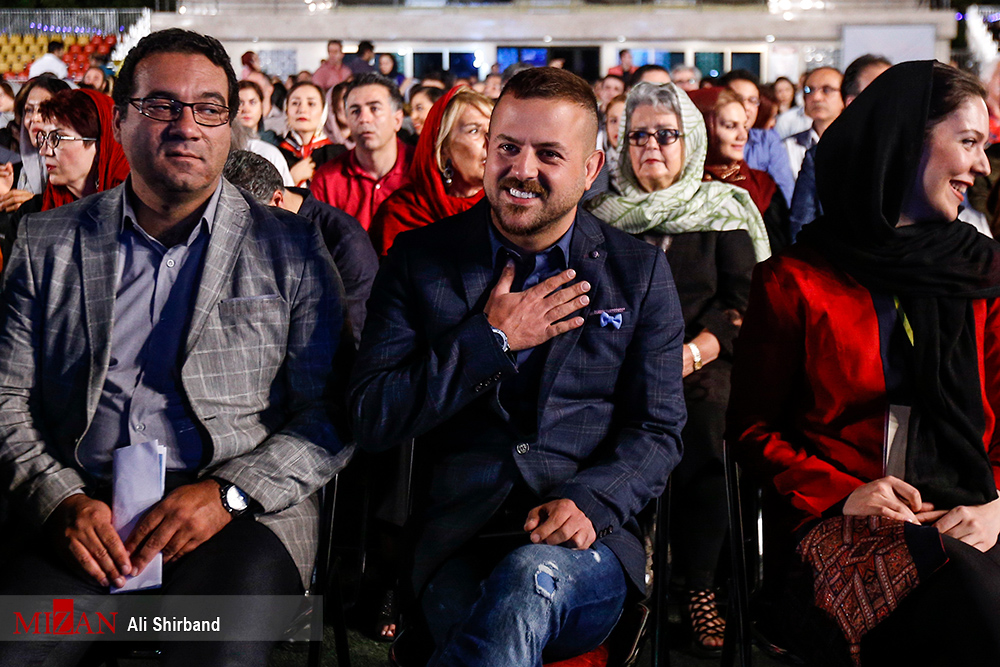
(245, 558)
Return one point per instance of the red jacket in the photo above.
(808, 387)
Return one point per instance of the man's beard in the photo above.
(508, 215)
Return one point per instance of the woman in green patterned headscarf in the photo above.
(713, 235)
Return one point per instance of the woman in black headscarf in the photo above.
(866, 387)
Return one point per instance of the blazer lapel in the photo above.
(587, 255)
(99, 229)
(473, 258)
(230, 225)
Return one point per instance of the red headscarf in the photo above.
(758, 183)
(112, 166)
(424, 200)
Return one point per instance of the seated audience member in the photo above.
(764, 150)
(726, 120)
(76, 140)
(421, 101)
(306, 146)
(274, 117)
(864, 391)
(6, 105)
(336, 126)
(388, 68)
(95, 79)
(171, 308)
(610, 87)
(358, 181)
(251, 113)
(493, 84)
(614, 122)
(446, 177)
(651, 73)
(711, 234)
(768, 110)
(21, 181)
(347, 242)
(625, 67)
(361, 62)
(784, 92)
(686, 77)
(482, 331)
(823, 104)
(805, 203)
(51, 62)
(333, 70)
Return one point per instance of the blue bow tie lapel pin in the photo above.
(614, 320)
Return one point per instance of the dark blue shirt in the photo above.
(519, 394)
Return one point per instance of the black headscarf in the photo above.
(866, 165)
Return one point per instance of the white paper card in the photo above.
(138, 479)
(897, 430)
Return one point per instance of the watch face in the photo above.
(237, 501)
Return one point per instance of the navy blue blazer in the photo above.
(610, 406)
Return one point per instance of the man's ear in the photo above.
(116, 123)
(594, 165)
(278, 198)
(399, 119)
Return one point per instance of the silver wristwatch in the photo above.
(502, 337)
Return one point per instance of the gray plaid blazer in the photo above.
(258, 364)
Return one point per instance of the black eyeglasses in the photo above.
(168, 110)
(663, 137)
(53, 139)
(826, 90)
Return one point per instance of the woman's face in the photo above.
(386, 64)
(785, 93)
(71, 163)
(730, 132)
(305, 110)
(251, 109)
(615, 121)
(94, 77)
(32, 119)
(656, 167)
(465, 148)
(954, 154)
(420, 106)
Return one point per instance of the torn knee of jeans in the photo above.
(546, 578)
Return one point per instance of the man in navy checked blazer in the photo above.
(172, 307)
(535, 354)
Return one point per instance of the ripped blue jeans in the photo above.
(538, 598)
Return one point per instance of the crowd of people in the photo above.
(549, 296)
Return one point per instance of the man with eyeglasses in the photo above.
(174, 309)
(823, 103)
(763, 149)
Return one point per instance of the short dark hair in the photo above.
(254, 174)
(365, 45)
(652, 67)
(950, 88)
(433, 93)
(552, 83)
(376, 79)
(335, 41)
(56, 45)
(73, 108)
(850, 86)
(174, 40)
(739, 75)
(623, 52)
(46, 81)
(613, 76)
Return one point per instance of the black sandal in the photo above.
(388, 614)
(705, 621)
